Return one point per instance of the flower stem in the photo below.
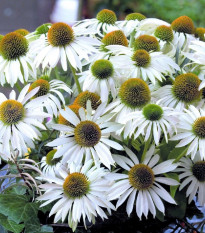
(132, 37)
(18, 87)
(75, 77)
(146, 146)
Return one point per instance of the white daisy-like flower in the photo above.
(61, 43)
(116, 37)
(152, 121)
(104, 22)
(197, 56)
(82, 99)
(101, 78)
(79, 193)
(133, 95)
(15, 61)
(193, 175)
(130, 23)
(50, 90)
(165, 36)
(182, 93)
(88, 137)
(50, 166)
(19, 121)
(149, 25)
(191, 131)
(140, 63)
(141, 183)
(183, 35)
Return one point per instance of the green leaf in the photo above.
(177, 153)
(166, 148)
(179, 210)
(10, 225)
(174, 188)
(46, 208)
(13, 205)
(16, 189)
(159, 215)
(32, 223)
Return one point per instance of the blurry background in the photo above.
(29, 14)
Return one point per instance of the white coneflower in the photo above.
(88, 137)
(133, 95)
(183, 92)
(152, 121)
(104, 22)
(197, 56)
(50, 166)
(116, 37)
(143, 64)
(191, 131)
(19, 120)
(61, 43)
(130, 23)
(141, 183)
(15, 60)
(183, 28)
(102, 79)
(193, 175)
(50, 90)
(79, 193)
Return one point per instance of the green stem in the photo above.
(132, 37)
(56, 73)
(75, 77)
(146, 146)
(18, 87)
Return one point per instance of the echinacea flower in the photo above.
(50, 90)
(183, 92)
(116, 37)
(133, 95)
(193, 176)
(15, 59)
(88, 137)
(150, 66)
(50, 166)
(191, 131)
(104, 22)
(79, 193)
(141, 183)
(83, 98)
(19, 120)
(199, 33)
(64, 43)
(101, 78)
(130, 23)
(146, 42)
(152, 121)
(183, 28)
(197, 56)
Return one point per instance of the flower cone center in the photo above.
(60, 34)
(87, 134)
(141, 177)
(76, 185)
(11, 112)
(198, 170)
(134, 93)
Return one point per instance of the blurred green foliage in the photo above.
(167, 10)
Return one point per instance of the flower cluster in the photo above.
(133, 87)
